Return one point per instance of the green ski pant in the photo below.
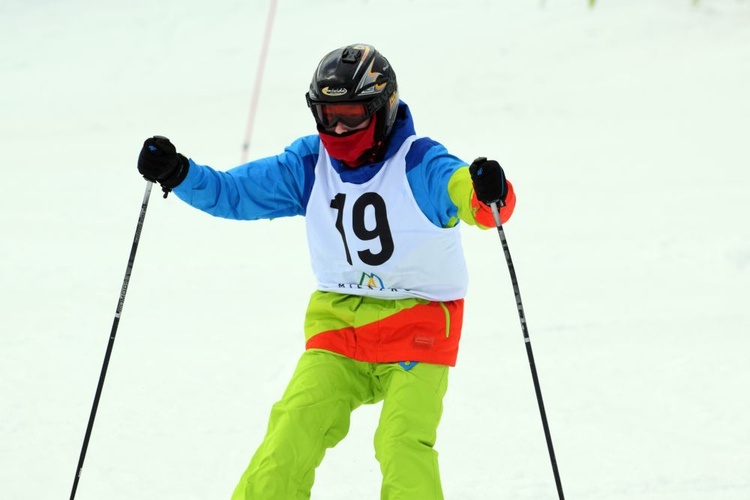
(313, 415)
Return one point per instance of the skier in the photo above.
(382, 208)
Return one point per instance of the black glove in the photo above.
(489, 181)
(160, 162)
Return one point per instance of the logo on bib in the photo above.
(371, 280)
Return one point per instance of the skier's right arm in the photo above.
(277, 186)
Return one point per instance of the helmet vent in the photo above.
(351, 55)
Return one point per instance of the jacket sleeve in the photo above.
(442, 186)
(277, 186)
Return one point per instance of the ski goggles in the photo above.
(351, 114)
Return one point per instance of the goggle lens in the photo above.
(350, 114)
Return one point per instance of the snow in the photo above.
(623, 128)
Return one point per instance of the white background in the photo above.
(624, 129)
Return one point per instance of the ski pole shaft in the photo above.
(529, 352)
(113, 333)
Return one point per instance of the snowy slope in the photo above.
(623, 129)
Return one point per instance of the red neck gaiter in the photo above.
(350, 148)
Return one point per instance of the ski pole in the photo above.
(529, 352)
(112, 335)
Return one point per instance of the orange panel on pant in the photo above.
(428, 333)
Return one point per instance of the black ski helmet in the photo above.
(357, 73)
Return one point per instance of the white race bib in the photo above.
(372, 238)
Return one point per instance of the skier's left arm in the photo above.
(446, 192)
